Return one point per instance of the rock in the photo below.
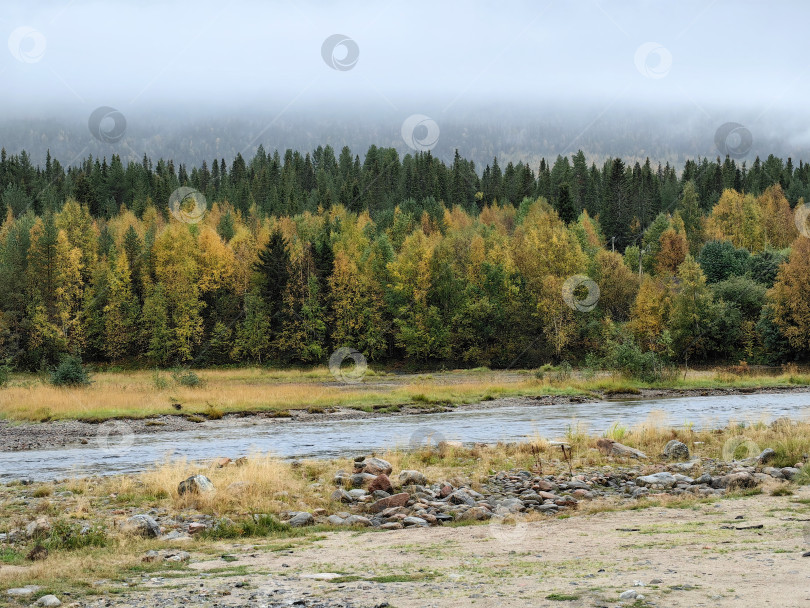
(335, 520)
(49, 600)
(790, 472)
(766, 456)
(39, 528)
(241, 461)
(676, 450)
(412, 478)
(196, 527)
(23, 591)
(630, 594)
(475, 514)
(392, 525)
(773, 472)
(177, 557)
(397, 500)
(447, 445)
(382, 482)
(374, 466)
(415, 521)
(141, 525)
(685, 467)
(461, 497)
(664, 479)
(357, 494)
(357, 520)
(196, 484)
(511, 505)
(222, 462)
(361, 480)
(151, 557)
(613, 448)
(341, 495)
(301, 519)
(735, 480)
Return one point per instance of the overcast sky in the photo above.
(135, 53)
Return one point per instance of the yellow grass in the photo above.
(137, 394)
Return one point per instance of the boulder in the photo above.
(196, 484)
(39, 528)
(357, 520)
(676, 450)
(766, 456)
(734, 480)
(49, 601)
(341, 495)
(475, 514)
(415, 521)
(614, 448)
(141, 525)
(790, 472)
(382, 482)
(412, 478)
(374, 466)
(397, 500)
(299, 520)
(664, 479)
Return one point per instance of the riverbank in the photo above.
(382, 395)
(684, 518)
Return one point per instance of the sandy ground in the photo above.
(683, 557)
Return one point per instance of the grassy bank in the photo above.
(211, 393)
(270, 486)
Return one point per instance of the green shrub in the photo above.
(187, 378)
(5, 374)
(68, 536)
(70, 372)
(258, 525)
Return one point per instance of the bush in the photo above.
(258, 525)
(70, 372)
(627, 358)
(187, 378)
(5, 374)
(65, 535)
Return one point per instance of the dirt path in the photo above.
(684, 557)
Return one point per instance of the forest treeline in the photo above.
(404, 259)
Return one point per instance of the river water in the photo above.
(324, 438)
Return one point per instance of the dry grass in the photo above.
(138, 394)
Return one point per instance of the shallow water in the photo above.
(117, 453)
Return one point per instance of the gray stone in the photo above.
(141, 525)
(676, 450)
(301, 519)
(38, 528)
(341, 495)
(196, 484)
(766, 456)
(49, 600)
(412, 478)
(357, 520)
(374, 466)
(415, 521)
(630, 594)
(664, 479)
(335, 520)
(790, 472)
(23, 591)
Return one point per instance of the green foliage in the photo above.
(720, 260)
(70, 372)
(69, 536)
(5, 373)
(625, 356)
(187, 377)
(257, 526)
